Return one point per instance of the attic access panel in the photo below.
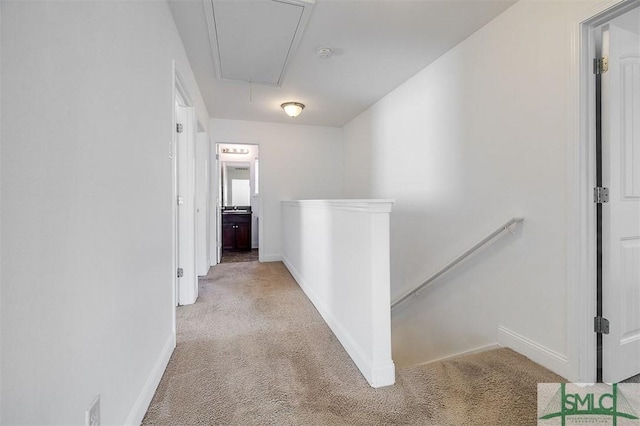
(254, 40)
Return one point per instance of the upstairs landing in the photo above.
(253, 351)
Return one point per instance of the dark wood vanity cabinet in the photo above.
(236, 231)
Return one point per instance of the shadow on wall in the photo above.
(428, 326)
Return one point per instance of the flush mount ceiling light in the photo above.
(324, 52)
(292, 109)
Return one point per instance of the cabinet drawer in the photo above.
(236, 218)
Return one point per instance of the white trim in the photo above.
(580, 219)
(181, 91)
(207, 6)
(141, 405)
(377, 374)
(269, 257)
(478, 350)
(581, 237)
(536, 352)
(370, 206)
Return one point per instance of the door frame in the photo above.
(180, 92)
(218, 183)
(581, 211)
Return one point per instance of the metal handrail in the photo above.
(509, 226)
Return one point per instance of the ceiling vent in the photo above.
(254, 40)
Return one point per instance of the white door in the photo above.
(203, 232)
(180, 139)
(621, 215)
(185, 152)
(219, 181)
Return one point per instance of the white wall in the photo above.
(1, 135)
(296, 162)
(474, 139)
(86, 207)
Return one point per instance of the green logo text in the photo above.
(612, 404)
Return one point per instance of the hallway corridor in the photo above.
(254, 351)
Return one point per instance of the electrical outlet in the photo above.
(92, 415)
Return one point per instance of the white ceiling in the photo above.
(377, 44)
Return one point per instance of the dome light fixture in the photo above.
(292, 109)
(324, 52)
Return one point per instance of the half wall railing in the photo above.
(338, 252)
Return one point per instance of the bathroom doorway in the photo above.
(238, 218)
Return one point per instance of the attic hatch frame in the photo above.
(214, 46)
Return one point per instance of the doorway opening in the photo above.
(239, 230)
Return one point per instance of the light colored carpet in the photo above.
(254, 351)
(634, 379)
(239, 256)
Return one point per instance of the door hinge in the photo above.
(180, 201)
(600, 195)
(217, 156)
(601, 325)
(600, 65)
(180, 272)
(179, 128)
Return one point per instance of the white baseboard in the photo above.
(270, 257)
(149, 389)
(465, 353)
(378, 375)
(536, 352)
